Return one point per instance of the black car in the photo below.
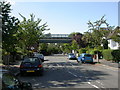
(11, 82)
(31, 65)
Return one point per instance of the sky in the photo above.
(67, 17)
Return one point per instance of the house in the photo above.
(111, 43)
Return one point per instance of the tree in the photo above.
(97, 32)
(9, 28)
(78, 38)
(74, 45)
(66, 48)
(105, 44)
(116, 35)
(29, 33)
(88, 39)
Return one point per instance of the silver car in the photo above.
(40, 56)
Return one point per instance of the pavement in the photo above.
(108, 63)
(14, 67)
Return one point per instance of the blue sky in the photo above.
(68, 17)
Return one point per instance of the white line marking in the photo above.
(93, 85)
(72, 74)
(78, 76)
(100, 83)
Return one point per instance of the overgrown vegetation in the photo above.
(116, 55)
(19, 36)
(22, 37)
(107, 54)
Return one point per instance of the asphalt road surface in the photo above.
(59, 72)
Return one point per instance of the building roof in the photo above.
(114, 32)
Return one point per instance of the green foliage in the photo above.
(54, 49)
(116, 55)
(82, 50)
(96, 51)
(73, 34)
(105, 44)
(66, 48)
(98, 48)
(9, 28)
(95, 33)
(92, 52)
(43, 46)
(29, 32)
(107, 54)
(74, 45)
(116, 36)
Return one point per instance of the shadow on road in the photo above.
(64, 74)
(46, 60)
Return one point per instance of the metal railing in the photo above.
(56, 35)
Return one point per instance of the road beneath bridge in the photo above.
(63, 73)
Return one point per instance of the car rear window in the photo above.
(71, 54)
(88, 55)
(32, 60)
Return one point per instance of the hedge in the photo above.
(116, 55)
(107, 54)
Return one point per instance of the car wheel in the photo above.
(41, 74)
(82, 62)
(78, 61)
(22, 73)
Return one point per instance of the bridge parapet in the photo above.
(56, 38)
(56, 35)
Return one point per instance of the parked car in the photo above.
(85, 58)
(71, 56)
(11, 82)
(40, 56)
(31, 65)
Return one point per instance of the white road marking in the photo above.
(92, 85)
(87, 82)
(102, 85)
(72, 74)
(79, 76)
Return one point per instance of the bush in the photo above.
(91, 52)
(82, 50)
(96, 51)
(116, 55)
(99, 48)
(107, 54)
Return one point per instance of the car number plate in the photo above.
(88, 60)
(31, 71)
